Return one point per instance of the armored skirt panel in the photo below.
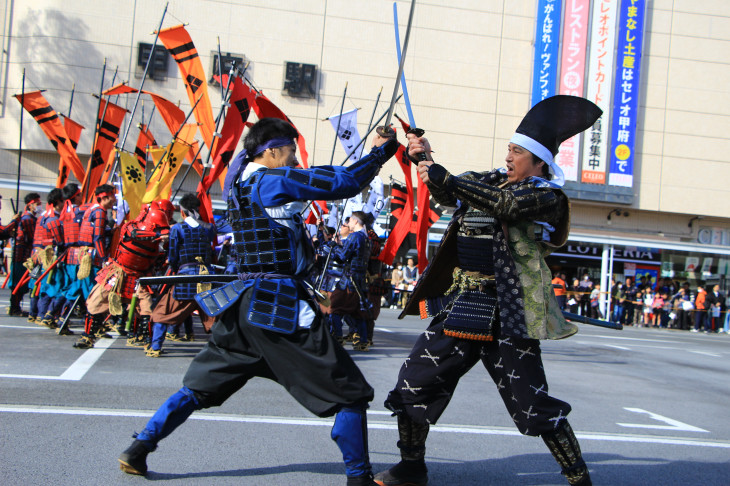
(262, 245)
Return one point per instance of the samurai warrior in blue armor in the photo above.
(269, 324)
(349, 298)
(190, 253)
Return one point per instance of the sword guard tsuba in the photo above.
(418, 132)
(385, 132)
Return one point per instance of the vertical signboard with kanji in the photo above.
(626, 92)
(572, 72)
(600, 80)
(547, 36)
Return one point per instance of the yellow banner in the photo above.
(168, 161)
(133, 184)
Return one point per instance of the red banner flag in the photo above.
(46, 117)
(98, 168)
(264, 108)
(73, 130)
(144, 140)
(170, 113)
(181, 48)
(242, 97)
(403, 226)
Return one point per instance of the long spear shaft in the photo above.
(17, 187)
(373, 127)
(144, 77)
(362, 140)
(339, 121)
(71, 101)
(370, 123)
(96, 129)
(174, 137)
(224, 104)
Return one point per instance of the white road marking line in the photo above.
(617, 347)
(78, 368)
(632, 339)
(382, 329)
(305, 421)
(38, 328)
(705, 353)
(673, 424)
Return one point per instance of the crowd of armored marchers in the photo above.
(61, 259)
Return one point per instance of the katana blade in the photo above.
(400, 66)
(406, 98)
(183, 279)
(594, 322)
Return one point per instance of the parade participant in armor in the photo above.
(190, 253)
(6, 231)
(72, 215)
(166, 207)
(491, 264)
(138, 250)
(43, 254)
(51, 295)
(349, 299)
(23, 249)
(377, 287)
(271, 328)
(95, 235)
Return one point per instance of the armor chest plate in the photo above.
(261, 243)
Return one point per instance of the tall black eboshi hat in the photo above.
(551, 122)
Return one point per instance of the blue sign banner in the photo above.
(547, 37)
(626, 92)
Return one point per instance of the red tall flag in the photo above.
(264, 108)
(144, 140)
(170, 113)
(46, 117)
(242, 97)
(403, 226)
(181, 48)
(107, 135)
(424, 216)
(73, 130)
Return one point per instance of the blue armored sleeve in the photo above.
(345, 252)
(282, 186)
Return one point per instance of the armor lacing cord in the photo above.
(115, 299)
(202, 270)
(464, 280)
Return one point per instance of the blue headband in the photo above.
(273, 143)
(242, 159)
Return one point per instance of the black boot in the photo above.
(134, 459)
(411, 470)
(366, 480)
(564, 447)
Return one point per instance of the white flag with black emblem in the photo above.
(347, 132)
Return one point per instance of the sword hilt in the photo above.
(418, 132)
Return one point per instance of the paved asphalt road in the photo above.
(650, 407)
